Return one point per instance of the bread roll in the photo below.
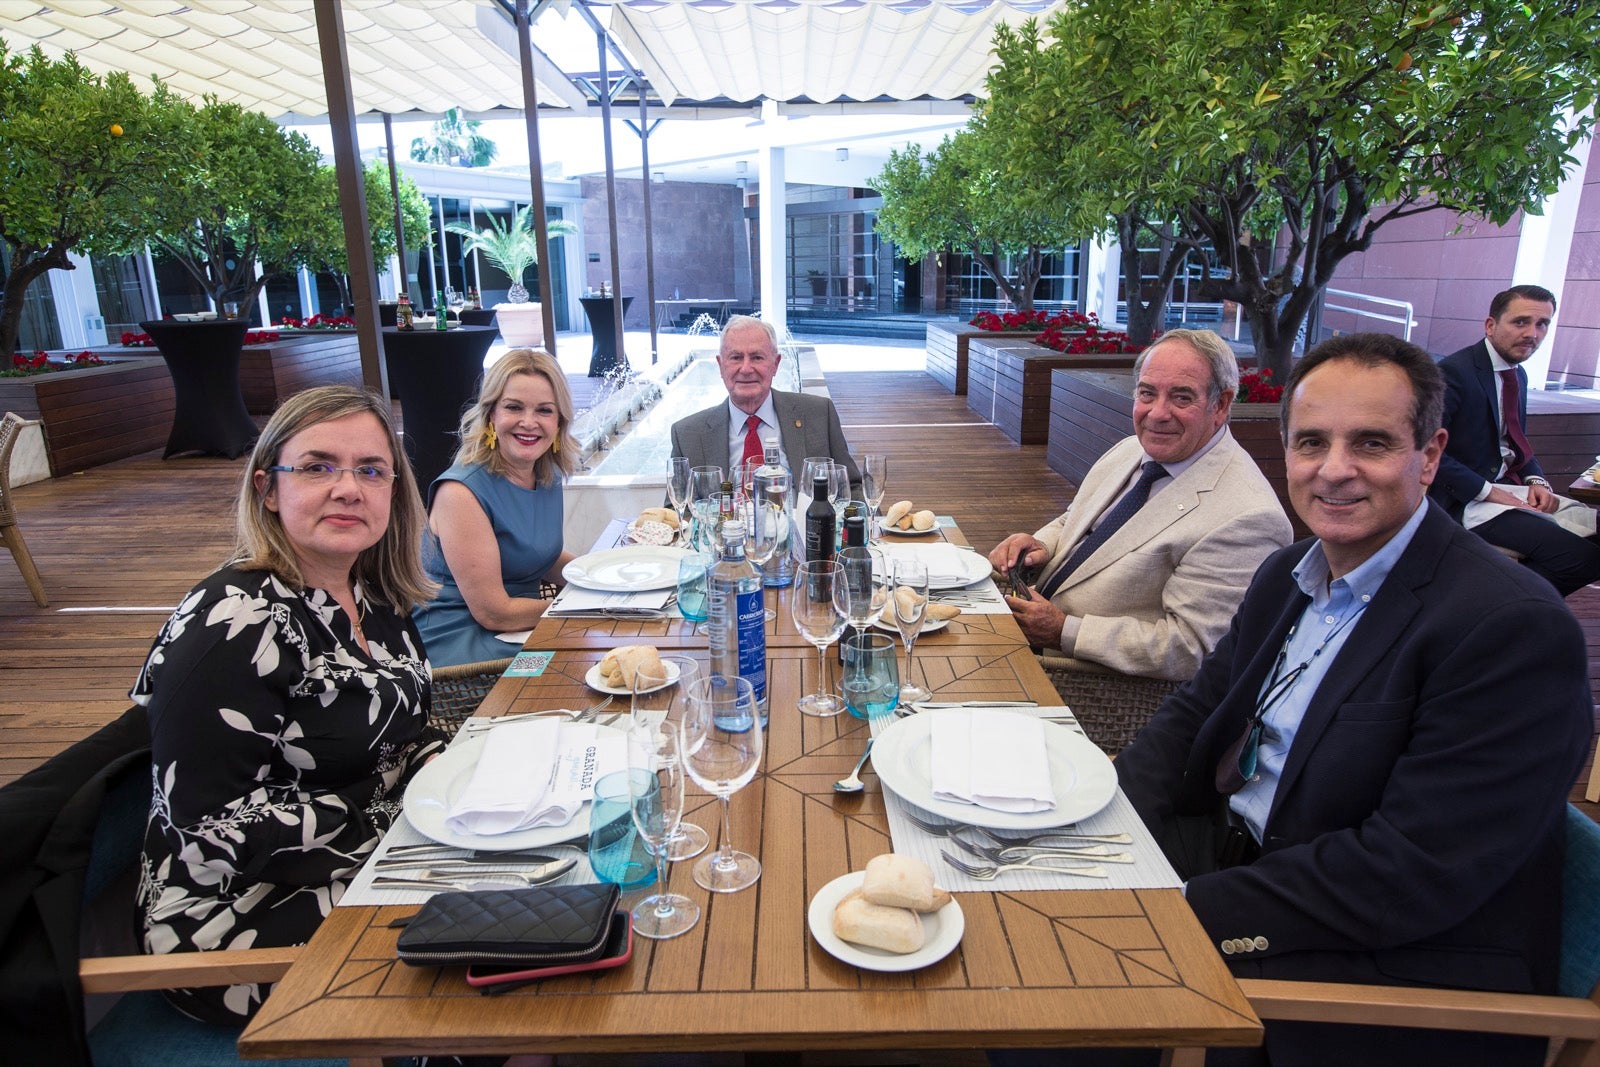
(906, 601)
(897, 511)
(941, 612)
(924, 520)
(897, 881)
(666, 515)
(941, 897)
(861, 922)
(619, 666)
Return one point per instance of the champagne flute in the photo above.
(818, 607)
(768, 519)
(839, 494)
(874, 480)
(910, 605)
(704, 485)
(678, 484)
(660, 699)
(655, 785)
(722, 742)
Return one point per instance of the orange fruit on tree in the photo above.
(116, 130)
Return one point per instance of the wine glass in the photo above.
(839, 494)
(694, 602)
(909, 602)
(814, 466)
(678, 484)
(454, 300)
(660, 698)
(864, 579)
(722, 742)
(768, 519)
(655, 784)
(704, 485)
(818, 607)
(874, 480)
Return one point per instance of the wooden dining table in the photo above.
(1068, 967)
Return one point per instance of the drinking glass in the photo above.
(909, 602)
(814, 466)
(694, 603)
(839, 494)
(655, 780)
(864, 580)
(767, 522)
(871, 675)
(660, 703)
(722, 742)
(743, 478)
(817, 605)
(678, 484)
(874, 480)
(616, 851)
(705, 483)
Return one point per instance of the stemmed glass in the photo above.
(864, 579)
(910, 606)
(818, 607)
(704, 485)
(874, 480)
(839, 494)
(809, 472)
(454, 300)
(769, 519)
(678, 484)
(722, 742)
(694, 602)
(661, 700)
(655, 785)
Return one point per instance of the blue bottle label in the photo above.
(750, 609)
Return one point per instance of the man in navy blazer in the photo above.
(1484, 457)
(1366, 780)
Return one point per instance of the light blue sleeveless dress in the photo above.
(527, 527)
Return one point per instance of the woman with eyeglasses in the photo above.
(288, 695)
(494, 524)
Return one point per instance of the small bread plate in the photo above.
(942, 930)
(651, 532)
(1082, 776)
(895, 531)
(634, 569)
(929, 626)
(436, 786)
(596, 680)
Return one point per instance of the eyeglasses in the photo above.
(323, 473)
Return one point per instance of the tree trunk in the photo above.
(25, 270)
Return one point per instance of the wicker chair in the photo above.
(10, 535)
(1110, 707)
(457, 691)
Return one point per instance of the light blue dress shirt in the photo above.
(768, 432)
(1327, 622)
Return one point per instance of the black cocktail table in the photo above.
(209, 416)
(435, 374)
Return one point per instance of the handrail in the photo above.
(1408, 321)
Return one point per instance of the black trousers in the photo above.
(1559, 556)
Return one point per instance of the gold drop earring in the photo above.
(555, 446)
(490, 438)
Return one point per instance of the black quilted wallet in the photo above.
(545, 925)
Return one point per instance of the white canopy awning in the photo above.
(820, 50)
(404, 56)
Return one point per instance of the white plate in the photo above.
(895, 531)
(593, 677)
(1082, 775)
(942, 929)
(438, 784)
(949, 567)
(928, 627)
(651, 532)
(634, 569)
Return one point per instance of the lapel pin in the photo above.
(798, 424)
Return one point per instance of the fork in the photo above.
(586, 715)
(428, 878)
(988, 872)
(1098, 853)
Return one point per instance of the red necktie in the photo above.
(752, 441)
(1510, 395)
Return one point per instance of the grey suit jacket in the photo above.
(809, 426)
(1157, 596)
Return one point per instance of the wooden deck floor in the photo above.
(118, 545)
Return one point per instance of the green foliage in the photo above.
(1286, 132)
(251, 198)
(328, 252)
(454, 139)
(512, 248)
(68, 180)
(958, 195)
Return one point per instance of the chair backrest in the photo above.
(457, 691)
(10, 427)
(1580, 907)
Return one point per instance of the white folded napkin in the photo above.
(992, 759)
(535, 772)
(577, 601)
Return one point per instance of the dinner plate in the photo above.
(633, 569)
(942, 929)
(596, 680)
(441, 780)
(928, 625)
(949, 567)
(1081, 774)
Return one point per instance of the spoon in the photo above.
(853, 783)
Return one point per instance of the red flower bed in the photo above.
(254, 337)
(1256, 387)
(39, 363)
(1031, 321)
(318, 321)
(1090, 338)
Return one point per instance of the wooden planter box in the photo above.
(1008, 382)
(97, 414)
(271, 373)
(947, 351)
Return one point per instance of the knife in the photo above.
(433, 859)
(920, 704)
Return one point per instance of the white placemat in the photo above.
(1149, 870)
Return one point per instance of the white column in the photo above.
(70, 306)
(1543, 249)
(308, 294)
(774, 235)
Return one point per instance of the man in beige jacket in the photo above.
(1144, 571)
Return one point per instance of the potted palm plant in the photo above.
(513, 249)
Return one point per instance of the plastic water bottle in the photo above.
(737, 627)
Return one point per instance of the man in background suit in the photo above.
(1152, 598)
(1366, 780)
(1488, 455)
(802, 425)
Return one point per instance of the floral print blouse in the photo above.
(280, 753)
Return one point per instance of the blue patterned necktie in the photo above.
(1110, 523)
